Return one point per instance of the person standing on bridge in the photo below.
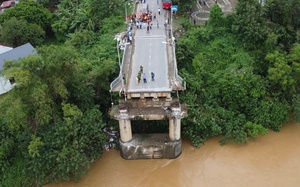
(124, 79)
(144, 78)
(141, 69)
(152, 76)
(138, 79)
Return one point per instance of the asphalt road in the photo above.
(150, 51)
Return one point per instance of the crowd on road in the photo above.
(141, 75)
(143, 20)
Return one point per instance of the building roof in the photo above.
(6, 4)
(17, 53)
(3, 49)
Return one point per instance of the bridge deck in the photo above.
(155, 51)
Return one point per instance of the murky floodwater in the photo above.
(269, 161)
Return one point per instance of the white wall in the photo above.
(5, 85)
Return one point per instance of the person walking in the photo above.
(158, 11)
(141, 69)
(130, 39)
(152, 76)
(157, 24)
(144, 78)
(124, 79)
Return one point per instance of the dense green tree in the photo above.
(284, 14)
(84, 15)
(41, 83)
(223, 90)
(283, 72)
(68, 146)
(18, 32)
(55, 139)
(52, 118)
(48, 3)
(296, 108)
(216, 16)
(249, 25)
(30, 11)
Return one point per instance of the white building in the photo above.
(8, 53)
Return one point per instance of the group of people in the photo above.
(141, 75)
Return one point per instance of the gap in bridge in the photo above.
(150, 126)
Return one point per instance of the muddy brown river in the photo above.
(269, 161)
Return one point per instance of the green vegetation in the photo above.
(50, 123)
(13, 33)
(242, 73)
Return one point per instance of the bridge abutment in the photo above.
(145, 146)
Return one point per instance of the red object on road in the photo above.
(166, 4)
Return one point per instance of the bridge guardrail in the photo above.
(115, 82)
(180, 79)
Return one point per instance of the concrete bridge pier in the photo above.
(174, 129)
(125, 130)
(175, 125)
(125, 126)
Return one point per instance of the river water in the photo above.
(269, 161)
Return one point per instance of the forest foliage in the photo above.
(51, 122)
(242, 73)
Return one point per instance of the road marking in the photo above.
(207, 4)
(226, 2)
(153, 36)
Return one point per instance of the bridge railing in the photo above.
(180, 79)
(118, 80)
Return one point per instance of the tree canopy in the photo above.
(242, 75)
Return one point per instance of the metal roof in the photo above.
(17, 53)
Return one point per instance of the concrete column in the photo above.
(125, 130)
(169, 98)
(174, 129)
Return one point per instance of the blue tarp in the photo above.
(174, 8)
